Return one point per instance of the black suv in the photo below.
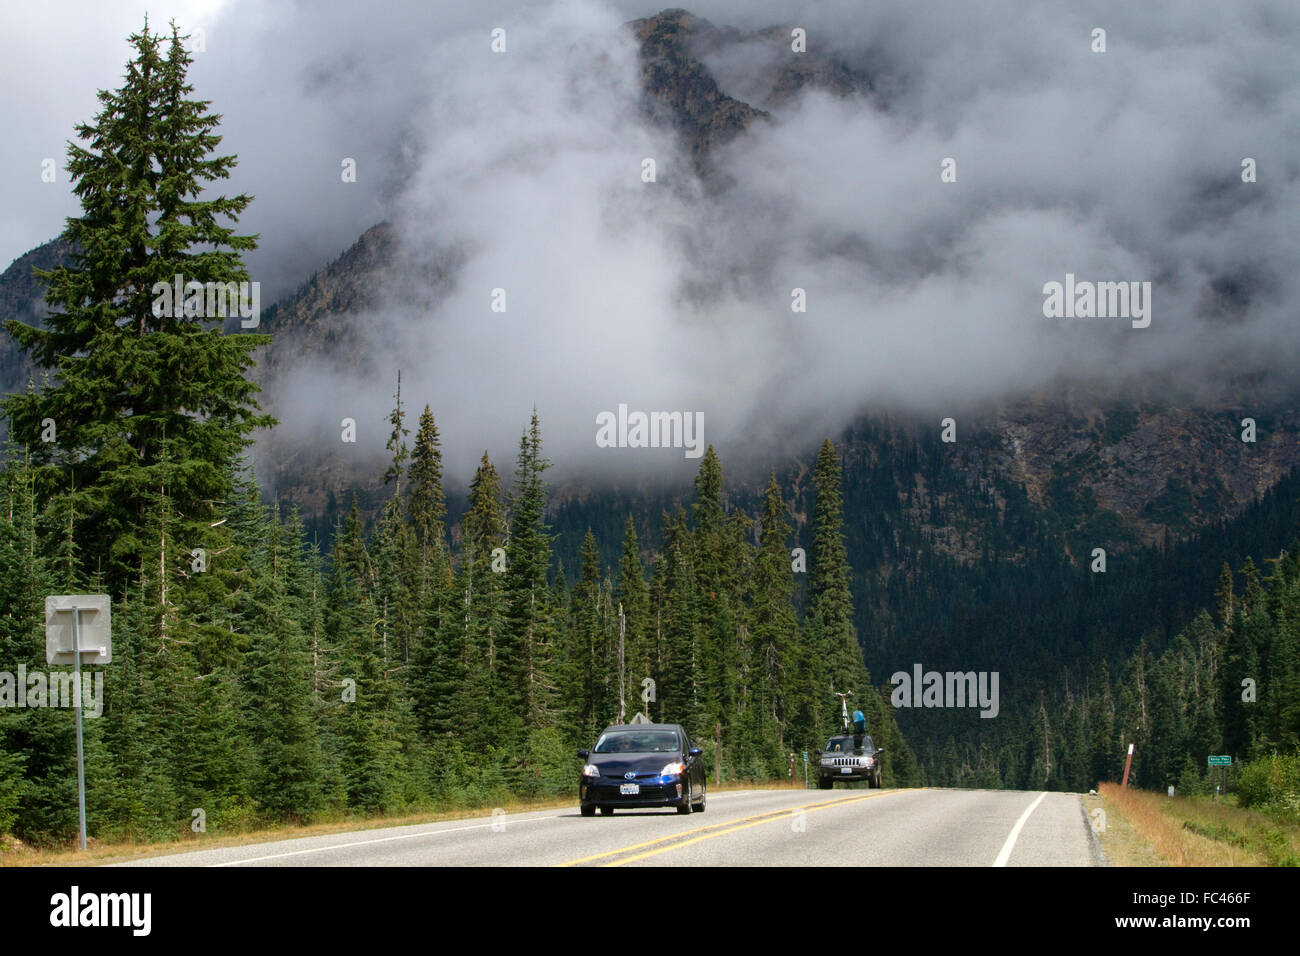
(848, 758)
(641, 765)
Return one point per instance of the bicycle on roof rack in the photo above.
(859, 724)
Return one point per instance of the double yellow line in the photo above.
(675, 841)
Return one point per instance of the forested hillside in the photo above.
(400, 673)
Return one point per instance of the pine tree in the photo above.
(364, 703)
(588, 653)
(526, 655)
(129, 381)
(632, 595)
(830, 602)
(718, 544)
(775, 624)
(1224, 598)
(485, 705)
(278, 702)
(427, 506)
(437, 671)
(396, 444)
(36, 748)
(680, 688)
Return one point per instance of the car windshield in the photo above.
(845, 745)
(637, 742)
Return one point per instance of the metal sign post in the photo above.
(81, 763)
(65, 643)
(1222, 761)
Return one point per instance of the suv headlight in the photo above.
(591, 770)
(675, 769)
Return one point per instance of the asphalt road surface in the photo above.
(739, 828)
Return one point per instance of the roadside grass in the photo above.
(1120, 841)
(15, 853)
(1191, 831)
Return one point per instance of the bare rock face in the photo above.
(1163, 470)
(22, 298)
(680, 90)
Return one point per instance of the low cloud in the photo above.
(521, 171)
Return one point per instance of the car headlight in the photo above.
(673, 769)
(591, 770)
(866, 762)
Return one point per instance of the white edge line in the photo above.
(341, 846)
(1010, 845)
(405, 836)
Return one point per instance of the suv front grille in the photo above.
(845, 762)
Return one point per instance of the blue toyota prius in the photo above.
(642, 765)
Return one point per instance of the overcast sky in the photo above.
(924, 295)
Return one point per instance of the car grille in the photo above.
(845, 762)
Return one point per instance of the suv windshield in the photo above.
(638, 742)
(845, 745)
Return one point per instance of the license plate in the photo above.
(846, 769)
(629, 788)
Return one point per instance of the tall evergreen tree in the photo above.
(718, 548)
(527, 654)
(588, 653)
(633, 596)
(130, 379)
(775, 625)
(480, 617)
(427, 506)
(830, 601)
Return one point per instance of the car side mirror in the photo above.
(694, 752)
(584, 754)
(880, 750)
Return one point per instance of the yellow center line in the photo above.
(727, 826)
(744, 826)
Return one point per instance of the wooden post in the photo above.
(1128, 762)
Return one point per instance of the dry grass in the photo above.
(1193, 831)
(1122, 844)
(14, 853)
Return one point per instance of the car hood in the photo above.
(615, 765)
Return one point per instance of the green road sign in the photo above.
(1220, 761)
